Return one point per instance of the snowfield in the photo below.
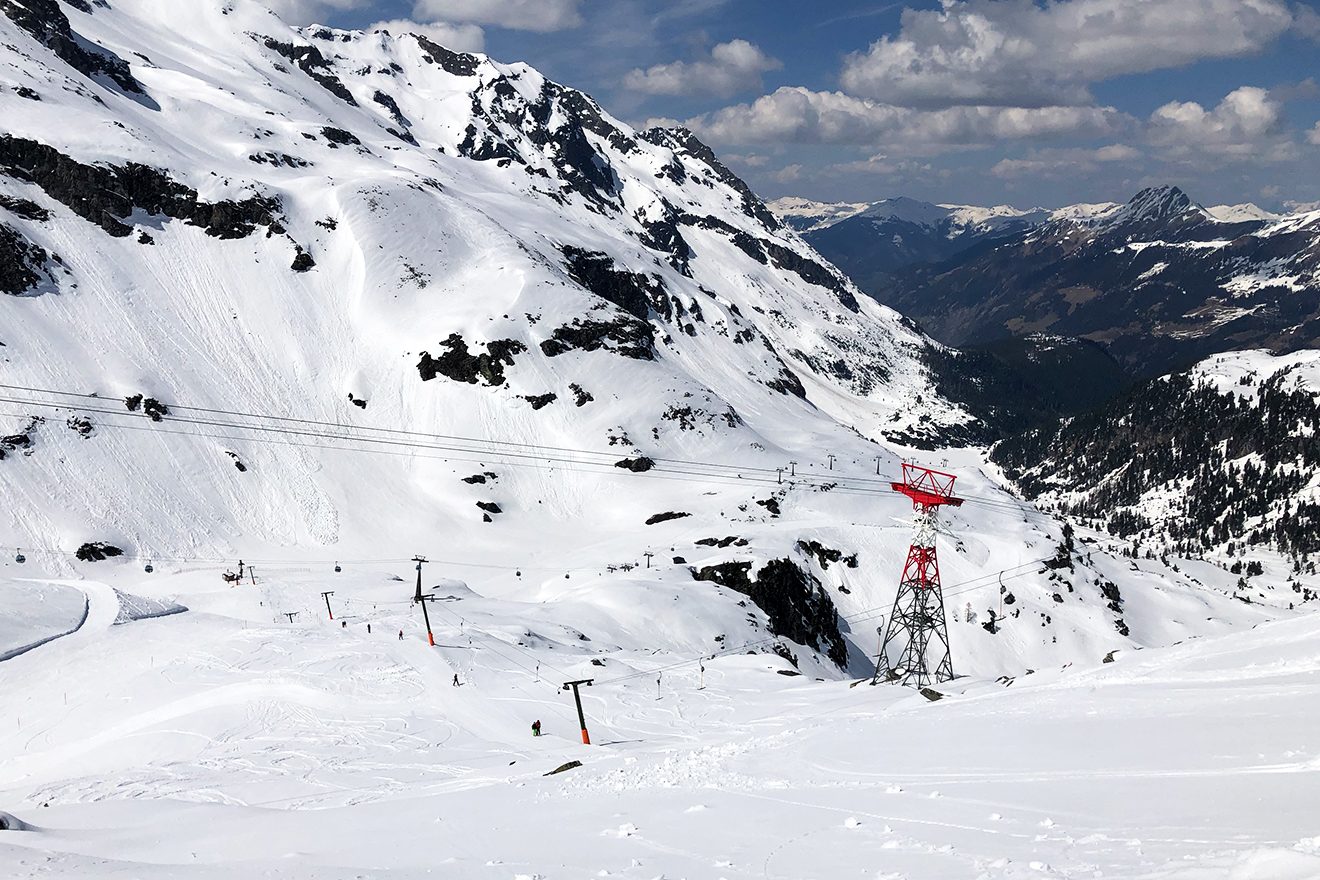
(230, 740)
(323, 301)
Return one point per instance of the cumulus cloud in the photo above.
(750, 160)
(456, 37)
(1247, 122)
(1307, 23)
(1061, 162)
(882, 165)
(730, 68)
(525, 15)
(1029, 54)
(800, 115)
(1313, 136)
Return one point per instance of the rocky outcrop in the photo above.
(96, 551)
(626, 336)
(459, 364)
(793, 601)
(311, 62)
(665, 517)
(46, 22)
(22, 262)
(108, 194)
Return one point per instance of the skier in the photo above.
(368, 629)
(400, 635)
(455, 679)
(343, 624)
(536, 727)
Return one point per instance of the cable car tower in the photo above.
(917, 636)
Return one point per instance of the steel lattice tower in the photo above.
(917, 635)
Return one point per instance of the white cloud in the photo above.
(750, 160)
(881, 165)
(788, 173)
(523, 15)
(730, 68)
(799, 115)
(455, 37)
(1313, 136)
(1248, 122)
(1063, 162)
(1029, 54)
(1306, 22)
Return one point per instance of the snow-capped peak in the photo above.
(1243, 213)
(1157, 203)
(806, 215)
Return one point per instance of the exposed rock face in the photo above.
(310, 61)
(22, 262)
(48, 25)
(107, 194)
(634, 293)
(95, 551)
(826, 555)
(626, 336)
(457, 363)
(792, 599)
(665, 517)
(24, 208)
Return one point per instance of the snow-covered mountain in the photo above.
(222, 219)
(326, 300)
(872, 241)
(1216, 460)
(1160, 280)
(1244, 212)
(807, 215)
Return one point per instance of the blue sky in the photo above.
(976, 101)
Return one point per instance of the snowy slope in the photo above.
(333, 238)
(1241, 213)
(492, 257)
(209, 321)
(232, 742)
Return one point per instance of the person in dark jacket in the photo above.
(536, 727)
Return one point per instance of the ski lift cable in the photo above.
(600, 457)
(675, 474)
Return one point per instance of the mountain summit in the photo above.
(1160, 281)
(202, 206)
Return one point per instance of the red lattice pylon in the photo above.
(917, 636)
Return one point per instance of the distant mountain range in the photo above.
(1210, 460)
(1160, 281)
